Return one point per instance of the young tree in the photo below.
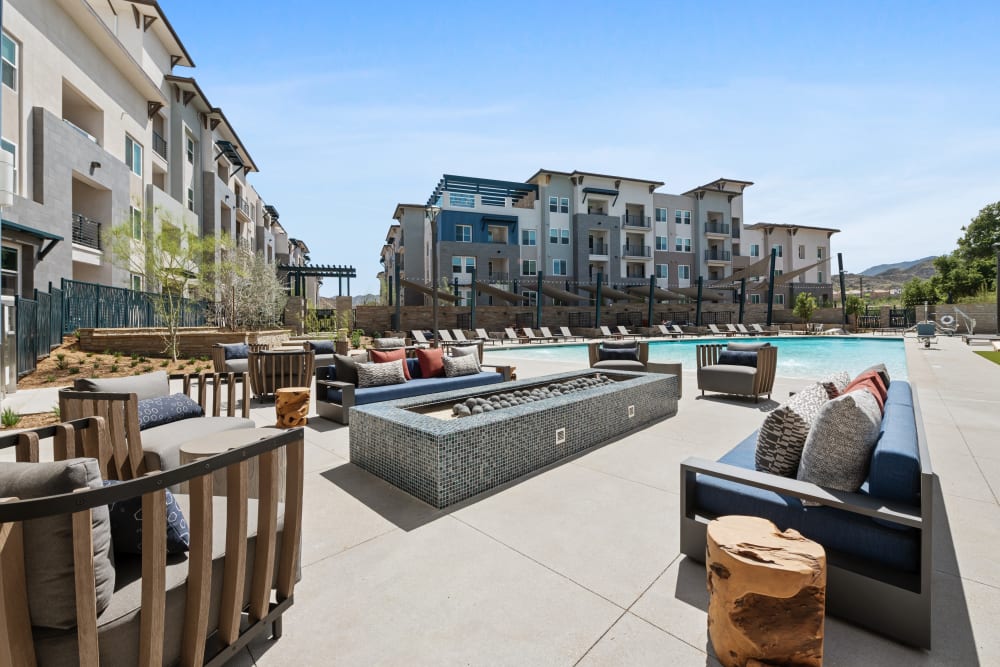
(853, 305)
(917, 291)
(250, 295)
(805, 306)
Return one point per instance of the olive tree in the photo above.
(805, 306)
(249, 293)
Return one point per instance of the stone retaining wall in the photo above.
(194, 341)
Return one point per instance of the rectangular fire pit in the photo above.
(417, 445)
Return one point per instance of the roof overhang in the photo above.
(580, 175)
(771, 226)
(147, 20)
(273, 212)
(729, 186)
(398, 213)
(187, 91)
(536, 177)
(49, 240)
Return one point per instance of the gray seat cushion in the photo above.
(118, 626)
(237, 365)
(727, 379)
(161, 445)
(150, 385)
(620, 365)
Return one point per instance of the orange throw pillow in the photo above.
(430, 360)
(874, 388)
(382, 356)
(876, 380)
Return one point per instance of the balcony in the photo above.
(642, 251)
(718, 256)
(600, 249)
(86, 232)
(717, 228)
(736, 232)
(243, 206)
(159, 145)
(637, 221)
(498, 277)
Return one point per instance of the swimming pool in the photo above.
(805, 356)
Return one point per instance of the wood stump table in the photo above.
(292, 405)
(767, 593)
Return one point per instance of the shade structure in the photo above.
(709, 294)
(658, 293)
(424, 289)
(758, 268)
(561, 294)
(509, 297)
(608, 292)
(785, 277)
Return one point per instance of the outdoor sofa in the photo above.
(877, 540)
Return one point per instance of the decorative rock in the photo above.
(526, 396)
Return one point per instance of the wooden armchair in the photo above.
(243, 555)
(273, 369)
(744, 380)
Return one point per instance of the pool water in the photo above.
(798, 357)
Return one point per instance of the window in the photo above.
(564, 205)
(755, 298)
(463, 233)
(559, 267)
(189, 149)
(190, 199)
(779, 299)
(661, 242)
(133, 155)
(10, 274)
(682, 245)
(12, 149)
(528, 267)
(553, 204)
(553, 235)
(136, 216)
(661, 215)
(777, 250)
(464, 296)
(802, 252)
(136, 282)
(564, 236)
(819, 276)
(531, 296)
(460, 264)
(755, 250)
(684, 272)
(662, 271)
(778, 272)
(528, 237)
(9, 52)
(682, 217)
(819, 253)
(466, 201)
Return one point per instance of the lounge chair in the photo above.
(680, 332)
(626, 333)
(662, 330)
(532, 338)
(548, 334)
(418, 336)
(485, 337)
(743, 330)
(445, 336)
(715, 330)
(568, 334)
(606, 333)
(763, 332)
(733, 330)
(512, 335)
(460, 336)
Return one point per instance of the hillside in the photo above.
(879, 269)
(891, 278)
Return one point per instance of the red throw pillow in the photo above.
(876, 379)
(382, 356)
(874, 388)
(430, 360)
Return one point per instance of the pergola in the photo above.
(297, 276)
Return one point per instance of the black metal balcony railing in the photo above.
(736, 232)
(499, 277)
(636, 251)
(718, 256)
(86, 232)
(243, 205)
(717, 228)
(159, 144)
(599, 249)
(636, 221)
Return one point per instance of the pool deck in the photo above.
(580, 564)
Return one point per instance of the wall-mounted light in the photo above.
(94, 165)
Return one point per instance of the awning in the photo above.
(710, 294)
(785, 277)
(608, 292)
(758, 268)
(561, 294)
(600, 191)
(658, 293)
(509, 297)
(442, 295)
(52, 239)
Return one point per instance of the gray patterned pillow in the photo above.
(379, 375)
(461, 365)
(839, 447)
(466, 351)
(836, 383)
(783, 434)
(388, 343)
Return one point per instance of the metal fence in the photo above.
(39, 327)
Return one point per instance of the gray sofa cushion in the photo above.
(620, 365)
(727, 379)
(388, 343)
(150, 385)
(839, 447)
(746, 347)
(48, 542)
(783, 433)
(237, 365)
(347, 368)
(161, 445)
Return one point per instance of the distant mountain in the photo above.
(891, 280)
(901, 266)
(366, 299)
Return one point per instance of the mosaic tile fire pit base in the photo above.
(416, 445)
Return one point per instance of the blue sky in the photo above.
(879, 119)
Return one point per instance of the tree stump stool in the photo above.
(767, 593)
(292, 405)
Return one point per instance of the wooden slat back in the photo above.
(234, 572)
(26, 450)
(292, 537)
(16, 646)
(85, 588)
(116, 443)
(267, 528)
(154, 580)
(708, 355)
(767, 365)
(199, 582)
(270, 370)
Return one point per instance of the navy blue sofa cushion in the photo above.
(738, 358)
(895, 465)
(236, 350)
(416, 387)
(322, 346)
(618, 353)
(837, 530)
(126, 525)
(166, 409)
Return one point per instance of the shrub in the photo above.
(10, 418)
(74, 370)
(113, 368)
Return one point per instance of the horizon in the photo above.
(872, 120)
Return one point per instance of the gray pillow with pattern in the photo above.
(388, 343)
(380, 375)
(839, 447)
(467, 351)
(783, 434)
(836, 383)
(460, 365)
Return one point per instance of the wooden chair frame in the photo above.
(274, 369)
(200, 644)
(219, 355)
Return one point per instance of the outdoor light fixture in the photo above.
(94, 165)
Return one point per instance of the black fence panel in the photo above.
(27, 335)
(88, 305)
(581, 319)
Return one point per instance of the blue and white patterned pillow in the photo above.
(126, 525)
(167, 409)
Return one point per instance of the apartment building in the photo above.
(572, 226)
(802, 261)
(104, 133)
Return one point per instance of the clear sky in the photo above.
(881, 119)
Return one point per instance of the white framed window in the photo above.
(564, 236)
(553, 204)
(11, 148)
(190, 197)
(553, 235)
(136, 281)
(10, 270)
(778, 272)
(461, 264)
(564, 204)
(465, 201)
(189, 149)
(135, 216)
(464, 296)
(9, 53)
(683, 272)
(682, 244)
(463, 233)
(661, 215)
(528, 237)
(528, 267)
(755, 298)
(661, 241)
(133, 155)
(779, 299)
(559, 267)
(662, 271)
(682, 217)
(777, 250)
(755, 250)
(819, 252)
(531, 296)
